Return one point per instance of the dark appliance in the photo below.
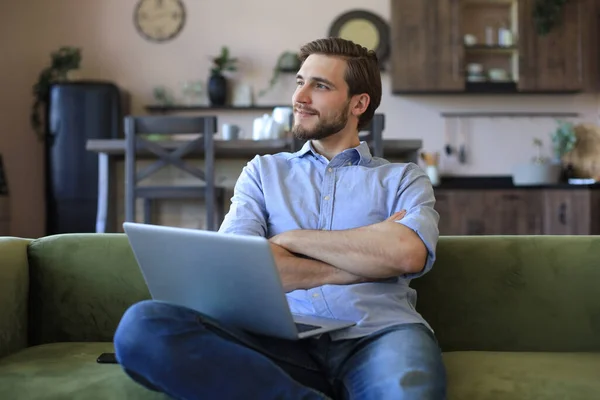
(78, 111)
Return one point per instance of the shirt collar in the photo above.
(359, 155)
(307, 147)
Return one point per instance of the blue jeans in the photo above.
(187, 355)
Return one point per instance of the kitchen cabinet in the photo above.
(426, 45)
(555, 61)
(517, 211)
(429, 55)
(571, 212)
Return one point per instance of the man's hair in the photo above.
(362, 70)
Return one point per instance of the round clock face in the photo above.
(365, 28)
(159, 20)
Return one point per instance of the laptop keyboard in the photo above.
(306, 327)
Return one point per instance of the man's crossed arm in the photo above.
(370, 253)
(311, 258)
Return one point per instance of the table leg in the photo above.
(105, 216)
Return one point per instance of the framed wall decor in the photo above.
(365, 28)
(159, 20)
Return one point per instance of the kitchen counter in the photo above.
(500, 183)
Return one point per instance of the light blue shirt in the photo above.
(304, 190)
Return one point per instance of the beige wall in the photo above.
(257, 32)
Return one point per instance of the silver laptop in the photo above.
(230, 278)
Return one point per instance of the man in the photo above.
(348, 232)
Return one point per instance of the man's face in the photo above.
(321, 103)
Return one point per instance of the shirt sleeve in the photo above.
(417, 198)
(247, 214)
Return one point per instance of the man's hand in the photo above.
(396, 216)
(304, 273)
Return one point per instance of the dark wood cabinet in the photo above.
(554, 61)
(427, 46)
(463, 212)
(568, 212)
(518, 211)
(443, 205)
(515, 212)
(428, 53)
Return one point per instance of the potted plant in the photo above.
(288, 62)
(217, 83)
(540, 171)
(64, 60)
(547, 14)
(563, 140)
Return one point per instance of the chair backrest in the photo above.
(168, 152)
(135, 126)
(373, 136)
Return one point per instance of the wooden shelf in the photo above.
(502, 114)
(489, 2)
(180, 108)
(491, 49)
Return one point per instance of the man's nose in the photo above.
(301, 95)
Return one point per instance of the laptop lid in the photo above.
(230, 278)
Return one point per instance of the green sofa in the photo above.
(517, 317)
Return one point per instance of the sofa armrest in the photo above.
(14, 289)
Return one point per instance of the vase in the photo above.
(532, 174)
(217, 89)
(433, 174)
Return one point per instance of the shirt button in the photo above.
(349, 163)
(315, 295)
(327, 197)
(330, 169)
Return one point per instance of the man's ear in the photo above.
(361, 103)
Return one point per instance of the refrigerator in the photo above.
(78, 111)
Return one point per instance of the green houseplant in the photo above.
(546, 14)
(540, 171)
(287, 62)
(217, 83)
(563, 139)
(62, 61)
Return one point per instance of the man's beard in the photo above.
(324, 127)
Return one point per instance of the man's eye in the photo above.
(298, 83)
(321, 86)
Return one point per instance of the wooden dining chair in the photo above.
(204, 129)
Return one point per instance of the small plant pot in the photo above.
(536, 174)
(217, 90)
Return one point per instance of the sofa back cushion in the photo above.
(514, 293)
(80, 286)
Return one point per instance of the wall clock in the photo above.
(364, 28)
(159, 20)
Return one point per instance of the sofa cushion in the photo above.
(514, 293)
(67, 371)
(522, 375)
(80, 286)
